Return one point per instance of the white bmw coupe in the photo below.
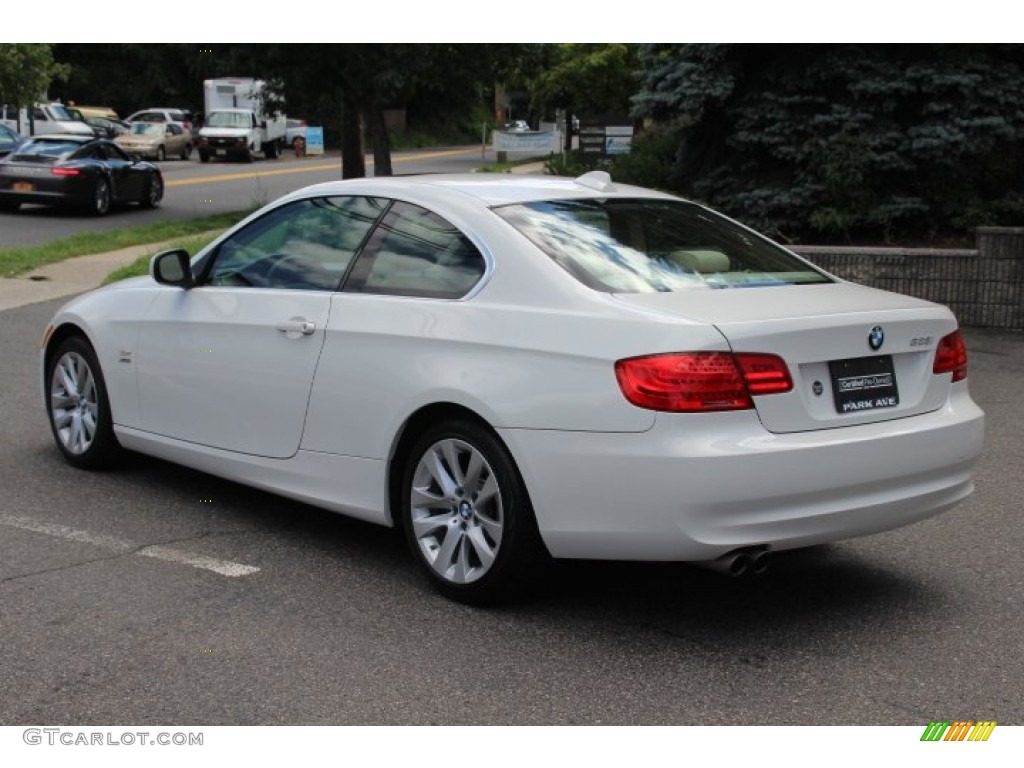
(508, 368)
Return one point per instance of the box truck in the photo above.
(237, 125)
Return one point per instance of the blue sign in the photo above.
(314, 141)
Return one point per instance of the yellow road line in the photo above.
(309, 168)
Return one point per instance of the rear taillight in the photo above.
(951, 356)
(693, 382)
(65, 171)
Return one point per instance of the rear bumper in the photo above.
(696, 487)
(75, 197)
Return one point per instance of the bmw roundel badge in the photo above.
(876, 337)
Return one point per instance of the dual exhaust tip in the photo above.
(748, 561)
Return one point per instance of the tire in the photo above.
(186, 153)
(203, 157)
(154, 192)
(9, 207)
(78, 408)
(270, 150)
(467, 517)
(248, 156)
(101, 197)
(161, 154)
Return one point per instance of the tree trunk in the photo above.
(381, 142)
(353, 160)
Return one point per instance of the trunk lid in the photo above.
(825, 334)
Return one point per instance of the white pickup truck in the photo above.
(236, 124)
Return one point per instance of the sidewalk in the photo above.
(68, 277)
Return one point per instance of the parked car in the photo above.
(507, 368)
(105, 128)
(156, 141)
(163, 115)
(519, 126)
(296, 129)
(104, 112)
(43, 119)
(77, 171)
(9, 140)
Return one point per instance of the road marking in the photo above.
(124, 546)
(310, 168)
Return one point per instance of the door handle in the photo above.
(297, 325)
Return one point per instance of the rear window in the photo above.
(644, 246)
(48, 148)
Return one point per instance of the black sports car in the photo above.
(77, 171)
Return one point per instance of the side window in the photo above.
(113, 152)
(38, 114)
(307, 245)
(417, 253)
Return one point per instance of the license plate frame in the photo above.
(23, 186)
(862, 384)
(222, 151)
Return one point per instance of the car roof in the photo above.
(489, 189)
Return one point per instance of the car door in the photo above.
(175, 142)
(128, 180)
(229, 363)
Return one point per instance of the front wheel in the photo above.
(161, 154)
(186, 152)
(467, 516)
(203, 157)
(79, 408)
(154, 192)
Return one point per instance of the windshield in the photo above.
(59, 113)
(147, 129)
(228, 120)
(645, 245)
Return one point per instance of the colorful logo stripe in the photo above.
(958, 730)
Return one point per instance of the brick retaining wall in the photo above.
(983, 286)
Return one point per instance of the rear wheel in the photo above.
(186, 152)
(9, 207)
(466, 515)
(270, 150)
(203, 157)
(101, 197)
(78, 406)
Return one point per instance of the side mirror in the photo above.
(172, 268)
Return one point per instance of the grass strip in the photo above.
(141, 265)
(16, 261)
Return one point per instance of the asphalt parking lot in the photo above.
(156, 595)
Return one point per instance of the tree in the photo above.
(591, 78)
(26, 71)
(844, 140)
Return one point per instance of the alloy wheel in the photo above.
(456, 511)
(74, 403)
